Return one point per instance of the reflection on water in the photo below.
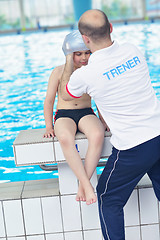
(26, 62)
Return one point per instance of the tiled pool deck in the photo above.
(47, 209)
(35, 210)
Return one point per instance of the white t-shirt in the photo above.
(117, 78)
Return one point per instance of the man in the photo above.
(118, 80)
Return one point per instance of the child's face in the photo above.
(80, 58)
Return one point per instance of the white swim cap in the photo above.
(73, 42)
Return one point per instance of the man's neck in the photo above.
(101, 45)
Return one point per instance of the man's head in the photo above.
(94, 25)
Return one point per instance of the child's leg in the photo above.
(92, 127)
(65, 130)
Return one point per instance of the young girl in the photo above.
(73, 116)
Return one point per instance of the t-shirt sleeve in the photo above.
(76, 86)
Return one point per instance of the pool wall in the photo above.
(35, 210)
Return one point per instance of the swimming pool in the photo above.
(26, 62)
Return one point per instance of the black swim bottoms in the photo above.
(75, 114)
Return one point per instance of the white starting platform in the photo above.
(31, 148)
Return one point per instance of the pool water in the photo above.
(26, 62)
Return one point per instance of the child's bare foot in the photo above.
(80, 194)
(90, 195)
(86, 194)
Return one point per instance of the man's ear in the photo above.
(111, 28)
(85, 39)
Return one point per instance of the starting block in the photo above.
(30, 148)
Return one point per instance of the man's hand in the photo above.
(49, 133)
(106, 127)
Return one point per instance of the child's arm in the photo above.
(103, 122)
(49, 101)
(68, 70)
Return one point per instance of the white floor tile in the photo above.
(94, 180)
(145, 181)
(132, 233)
(52, 214)
(94, 235)
(148, 206)
(16, 238)
(35, 237)
(74, 236)
(68, 183)
(13, 218)
(131, 211)
(150, 232)
(33, 216)
(58, 236)
(71, 213)
(159, 210)
(90, 216)
(2, 230)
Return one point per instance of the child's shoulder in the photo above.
(56, 74)
(58, 70)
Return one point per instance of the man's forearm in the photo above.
(68, 70)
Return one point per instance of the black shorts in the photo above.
(75, 114)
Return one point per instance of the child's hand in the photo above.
(49, 133)
(69, 58)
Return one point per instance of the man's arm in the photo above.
(68, 70)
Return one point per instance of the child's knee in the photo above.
(98, 136)
(65, 139)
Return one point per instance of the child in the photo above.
(72, 116)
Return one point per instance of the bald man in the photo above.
(117, 78)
